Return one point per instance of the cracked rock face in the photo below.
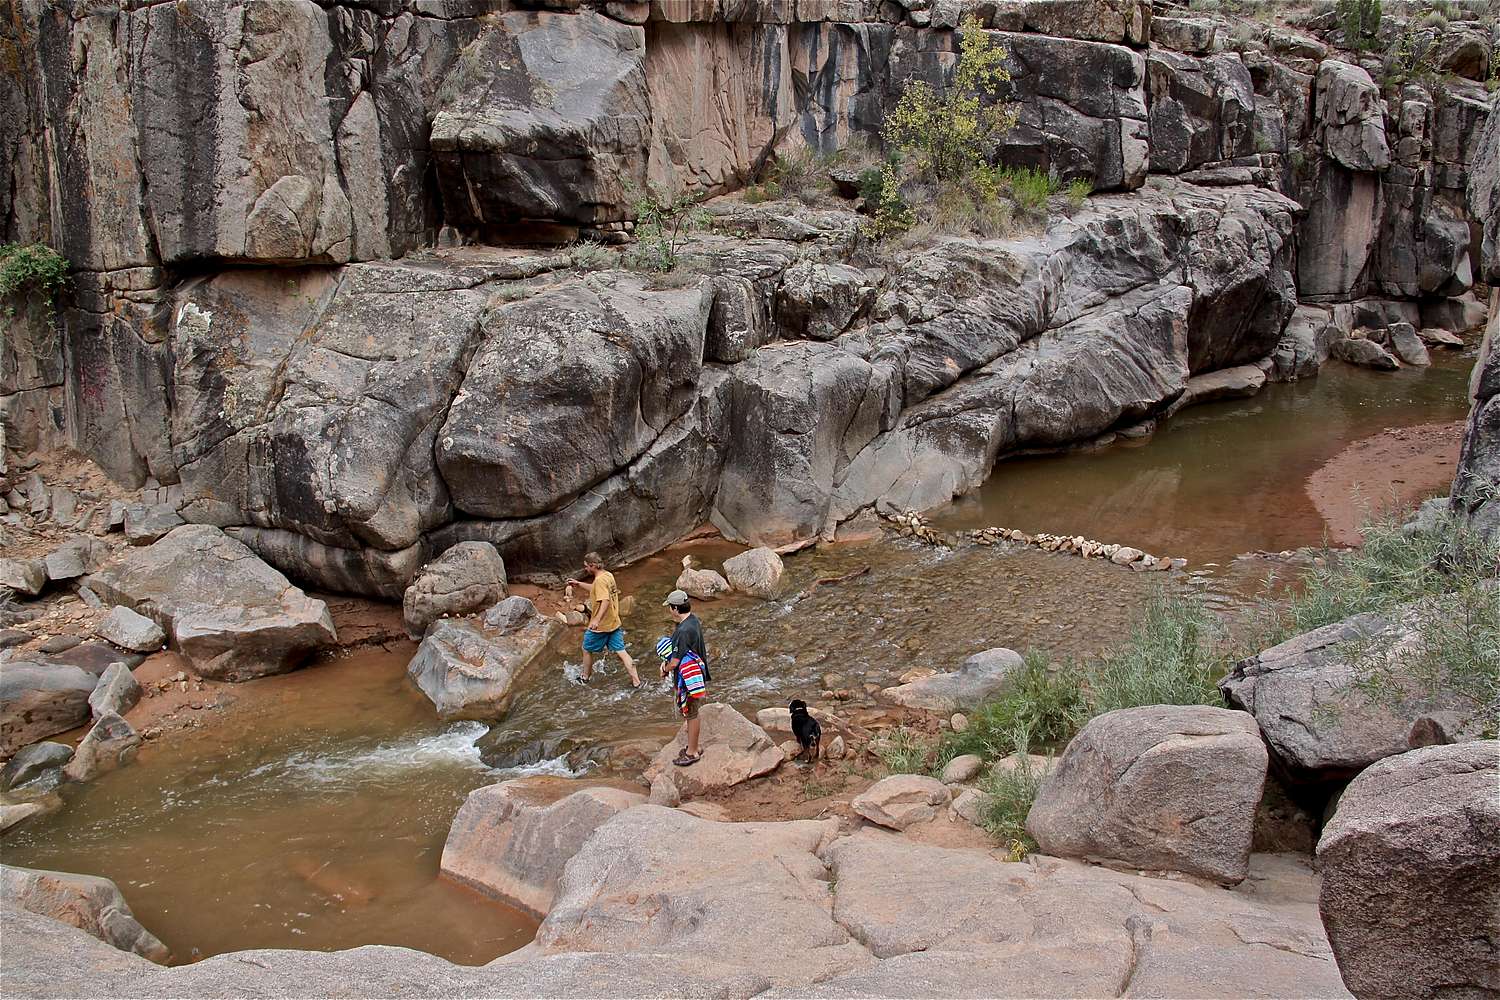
(1411, 874)
(1165, 787)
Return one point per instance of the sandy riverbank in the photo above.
(1391, 470)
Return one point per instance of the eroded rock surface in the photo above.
(1165, 787)
(93, 905)
(467, 578)
(227, 611)
(980, 676)
(1411, 874)
(469, 671)
(40, 699)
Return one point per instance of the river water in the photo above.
(311, 812)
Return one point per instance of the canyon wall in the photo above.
(303, 296)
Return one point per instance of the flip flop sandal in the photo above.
(683, 760)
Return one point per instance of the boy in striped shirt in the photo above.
(686, 661)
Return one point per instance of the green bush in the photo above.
(949, 135)
(590, 255)
(1360, 20)
(31, 269)
(871, 182)
(1173, 656)
(1011, 792)
(1040, 703)
(1078, 191)
(902, 751)
(1027, 187)
(662, 227)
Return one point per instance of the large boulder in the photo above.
(978, 677)
(757, 572)
(1320, 726)
(1351, 123)
(734, 750)
(90, 903)
(512, 839)
(470, 671)
(1411, 874)
(39, 699)
(654, 880)
(227, 611)
(24, 576)
(467, 578)
(1165, 787)
(901, 800)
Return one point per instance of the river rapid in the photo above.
(311, 812)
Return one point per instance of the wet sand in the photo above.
(1390, 471)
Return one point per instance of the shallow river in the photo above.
(311, 813)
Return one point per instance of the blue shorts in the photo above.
(598, 642)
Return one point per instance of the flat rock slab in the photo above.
(980, 676)
(734, 750)
(39, 699)
(470, 671)
(145, 524)
(1411, 874)
(34, 948)
(92, 904)
(657, 880)
(511, 840)
(1164, 787)
(959, 923)
(230, 613)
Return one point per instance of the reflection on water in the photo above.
(1220, 479)
(312, 813)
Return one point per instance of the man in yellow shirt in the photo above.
(603, 631)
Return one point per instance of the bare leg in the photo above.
(588, 664)
(635, 678)
(692, 743)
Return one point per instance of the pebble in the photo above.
(959, 722)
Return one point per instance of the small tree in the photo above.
(949, 135)
(662, 227)
(1360, 20)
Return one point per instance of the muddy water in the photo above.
(1223, 478)
(312, 813)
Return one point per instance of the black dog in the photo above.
(809, 734)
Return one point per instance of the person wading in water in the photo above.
(686, 662)
(604, 631)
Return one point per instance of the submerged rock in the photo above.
(227, 611)
(512, 840)
(980, 676)
(92, 904)
(465, 579)
(469, 671)
(1165, 787)
(1411, 874)
(110, 743)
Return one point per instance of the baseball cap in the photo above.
(675, 597)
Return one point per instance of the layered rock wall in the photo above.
(290, 297)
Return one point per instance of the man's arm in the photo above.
(599, 607)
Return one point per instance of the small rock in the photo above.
(129, 630)
(959, 722)
(664, 792)
(1125, 555)
(510, 614)
(64, 505)
(24, 576)
(901, 800)
(467, 577)
(701, 584)
(1364, 352)
(117, 693)
(60, 644)
(1440, 338)
(970, 804)
(1408, 346)
(109, 744)
(90, 598)
(11, 814)
(145, 525)
(116, 519)
(962, 768)
(11, 637)
(834, 748)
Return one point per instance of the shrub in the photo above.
(1173, 656)
(662, 227)
(800, 174)
(902, 751)
(1040, 704)
(590, 255)
(871, 182)
(1011, 792)
(1027, 187)
(31, 268)
(949, 135)
(1078, 191)
(1360, 20)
